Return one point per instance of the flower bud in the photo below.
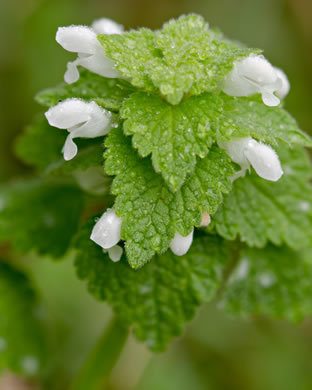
(106, 231)
(180, 245)
(205, 220)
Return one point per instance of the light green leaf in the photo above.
(159, 298)
(185, 57)
(38, 215)
(40, 144)
(272, 281)
(21, 339)
(243, 117)
(108, 93)
(151, 212)
(259, 211)
(174, 135)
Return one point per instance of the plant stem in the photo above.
(96, 370)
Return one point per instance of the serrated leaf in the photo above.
(159, 298)
(21, 340)
(41, 147)
(38, 215)
(108, 93)
(243, 117)
(185, 57)
(151, 212)
(272, 281)
(174, 135)
(198, 58)
(259, 211)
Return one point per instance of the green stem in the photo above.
(95, 372)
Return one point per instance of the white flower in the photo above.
(83, 41)
(107, 26)
(81, 119)
(106, 231)
(246, 151)
(285, 87)
(180, 245)
(255, 74)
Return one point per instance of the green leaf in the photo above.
(197, 58)
(273, 281)
(174, 135)
(108, 93)
(185, 57)
(159, 298)
(41, 146)
(40, 215)
(243, 117)
(259, 211)
(151, 212)
(21, 339)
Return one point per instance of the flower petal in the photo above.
(282, 92)
(106, 231)
(115, 253)
(180, 245)
(70, 149)
(77, 39)
(98, 124)
(72, 73)
(107, 26)
(269, 99)
(99, 64)
(69, 113)
(264, 160)
(235, 149)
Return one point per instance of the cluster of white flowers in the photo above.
(249, 76)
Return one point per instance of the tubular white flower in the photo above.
(83, 41)
(82, 119)
(282, 92)
(247, 151)
(106, 231)
(107, 26)
(180, 245)
(252, 75)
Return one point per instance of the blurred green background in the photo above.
(216, 352)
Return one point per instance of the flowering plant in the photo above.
(183, 180)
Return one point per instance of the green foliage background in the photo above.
(216, 352)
